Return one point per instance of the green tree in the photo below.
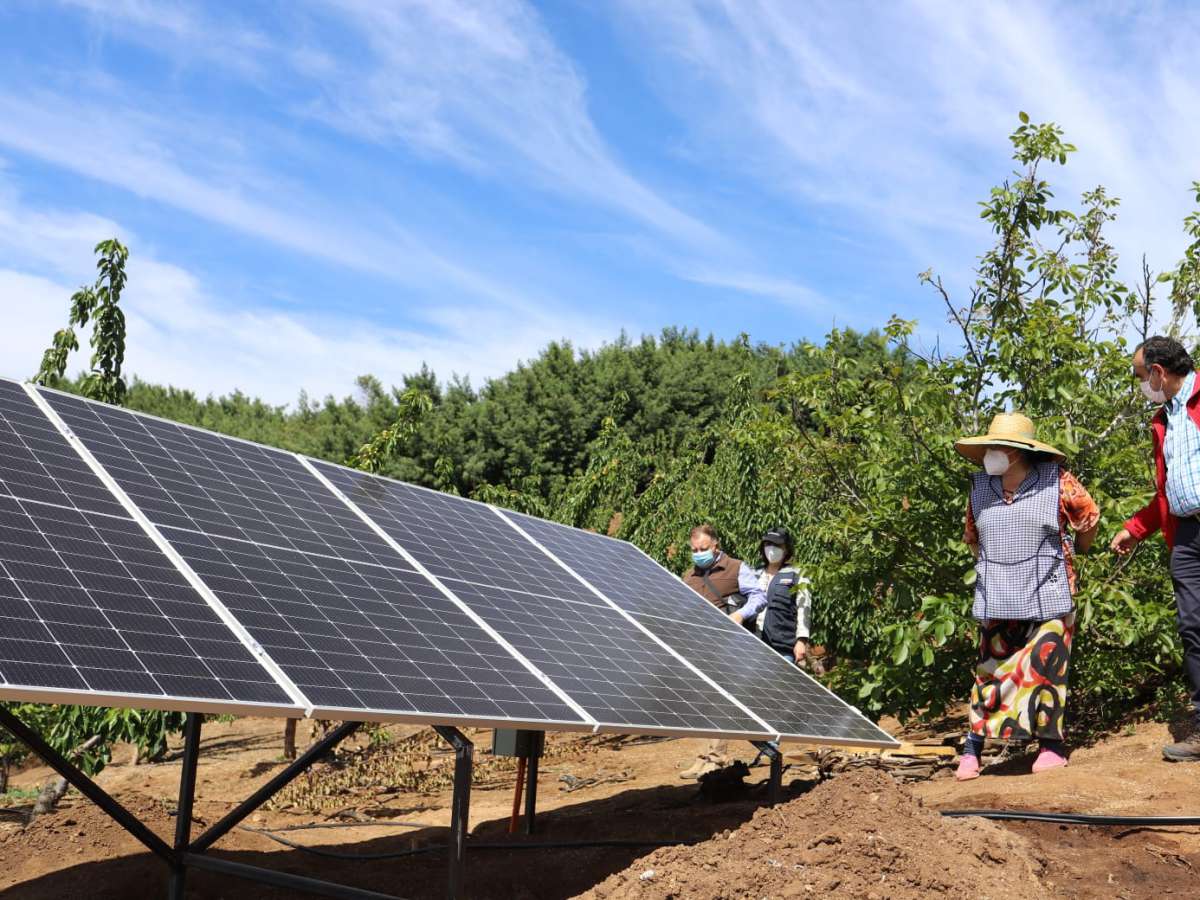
(98, 303)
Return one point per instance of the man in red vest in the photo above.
(1167, 375)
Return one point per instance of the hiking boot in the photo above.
(1048, 759)
(968, 767)
(1184, 751)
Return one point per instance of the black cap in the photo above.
(779, 536)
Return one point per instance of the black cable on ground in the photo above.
(1062, 818)
(1005, 815)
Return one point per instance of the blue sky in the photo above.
(316, 189)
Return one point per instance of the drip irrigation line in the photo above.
(1064, 818)
(471, 846)
(1006, 815)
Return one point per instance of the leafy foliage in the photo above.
(98, 304)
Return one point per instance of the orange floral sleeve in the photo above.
(1077, 506)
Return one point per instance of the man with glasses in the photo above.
(1167, 376)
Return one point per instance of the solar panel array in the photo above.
(366, 598)
(345, 616)
(88, 604)
(770, 686)
(616, 672)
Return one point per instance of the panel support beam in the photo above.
(775, 782)
(274, 786)
(531, 786)
(460, 808)
(183, 810)
(81, 782)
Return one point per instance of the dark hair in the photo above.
(708, 530)
(1168, 353)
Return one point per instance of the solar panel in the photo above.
(355, 627)
(785, 697)
(91, 609)
(617, 673)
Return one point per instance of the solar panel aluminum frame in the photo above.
(28, 694)
(305, 709)
(768, 733)
(797, 738)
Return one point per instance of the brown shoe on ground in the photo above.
(1184, 751)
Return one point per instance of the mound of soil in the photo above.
(860, 834)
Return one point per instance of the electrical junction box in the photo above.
(517, 742)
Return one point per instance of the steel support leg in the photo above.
(85, 785)
(775, 783)
(272, 787)
(464, 757)
(531, 773)
(183, 810)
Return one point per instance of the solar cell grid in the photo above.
(187, 478)
(457, 539)
(88, 604)
(346, 617)
(617, 673)
(777, 691)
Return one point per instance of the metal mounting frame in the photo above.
(775, 782)
(187, 853)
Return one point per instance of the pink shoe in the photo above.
(968, 767)
(1048, 759)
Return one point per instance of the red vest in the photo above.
(1157, 513)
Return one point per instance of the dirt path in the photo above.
(636, 794)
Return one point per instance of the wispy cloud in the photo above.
(895, 116)
(484, 84)
(184, 333)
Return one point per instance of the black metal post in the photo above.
(183, 810)
(775, 783)
(272, 787)
(531, 773)
(85, 785)
(464, 756)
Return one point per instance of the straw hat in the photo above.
(1006, 430)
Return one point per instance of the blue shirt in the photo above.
(1181, 453)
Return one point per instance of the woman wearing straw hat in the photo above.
(1018, 513)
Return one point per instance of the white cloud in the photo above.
(484, 84)
(896, 115)
(180, 333)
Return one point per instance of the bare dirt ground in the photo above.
(834, 839)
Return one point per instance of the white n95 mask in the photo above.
(995, 462)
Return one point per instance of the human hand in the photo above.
(800, 651)
(1123, 543)
(736, 617)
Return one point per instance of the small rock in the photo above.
(647, 875)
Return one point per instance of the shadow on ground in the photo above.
(668, 813)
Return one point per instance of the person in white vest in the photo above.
(1020, 512)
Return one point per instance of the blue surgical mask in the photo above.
(705, 559)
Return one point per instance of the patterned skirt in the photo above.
(1020, 687)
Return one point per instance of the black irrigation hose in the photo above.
(1063, 818)
(1005, 815)
(471, 846)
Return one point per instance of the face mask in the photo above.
(773, 554)
(704, 559)
(995, 462)
(1159, 396)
